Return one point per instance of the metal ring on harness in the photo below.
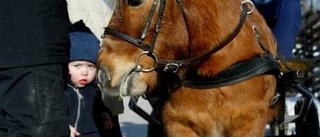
(140, 68)
(250, 2)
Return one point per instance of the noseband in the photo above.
(172, 65)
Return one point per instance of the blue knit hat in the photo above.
(84, 47)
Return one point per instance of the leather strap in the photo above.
(237, 73)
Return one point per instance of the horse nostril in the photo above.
(102, 77)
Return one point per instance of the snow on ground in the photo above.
(133, 125)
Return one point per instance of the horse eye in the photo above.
(134, 2)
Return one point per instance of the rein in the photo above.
(172, 65)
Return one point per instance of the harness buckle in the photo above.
(171, 67)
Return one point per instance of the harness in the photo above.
(239, 72)
(173, 65)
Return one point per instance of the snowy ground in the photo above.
(133, 125)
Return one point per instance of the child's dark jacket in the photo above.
(85, 108)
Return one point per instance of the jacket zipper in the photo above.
(80, 97)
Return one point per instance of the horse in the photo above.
(213, 63)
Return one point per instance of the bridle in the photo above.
(173, 65)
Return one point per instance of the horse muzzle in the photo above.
(127, 84)
(104, 83)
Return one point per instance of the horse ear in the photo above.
(134, 2)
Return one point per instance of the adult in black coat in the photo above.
(34, 51)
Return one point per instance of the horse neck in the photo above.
(207, 32)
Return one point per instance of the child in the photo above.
(87, 115)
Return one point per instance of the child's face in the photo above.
(82, 73)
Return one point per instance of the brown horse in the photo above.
(213, 59)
